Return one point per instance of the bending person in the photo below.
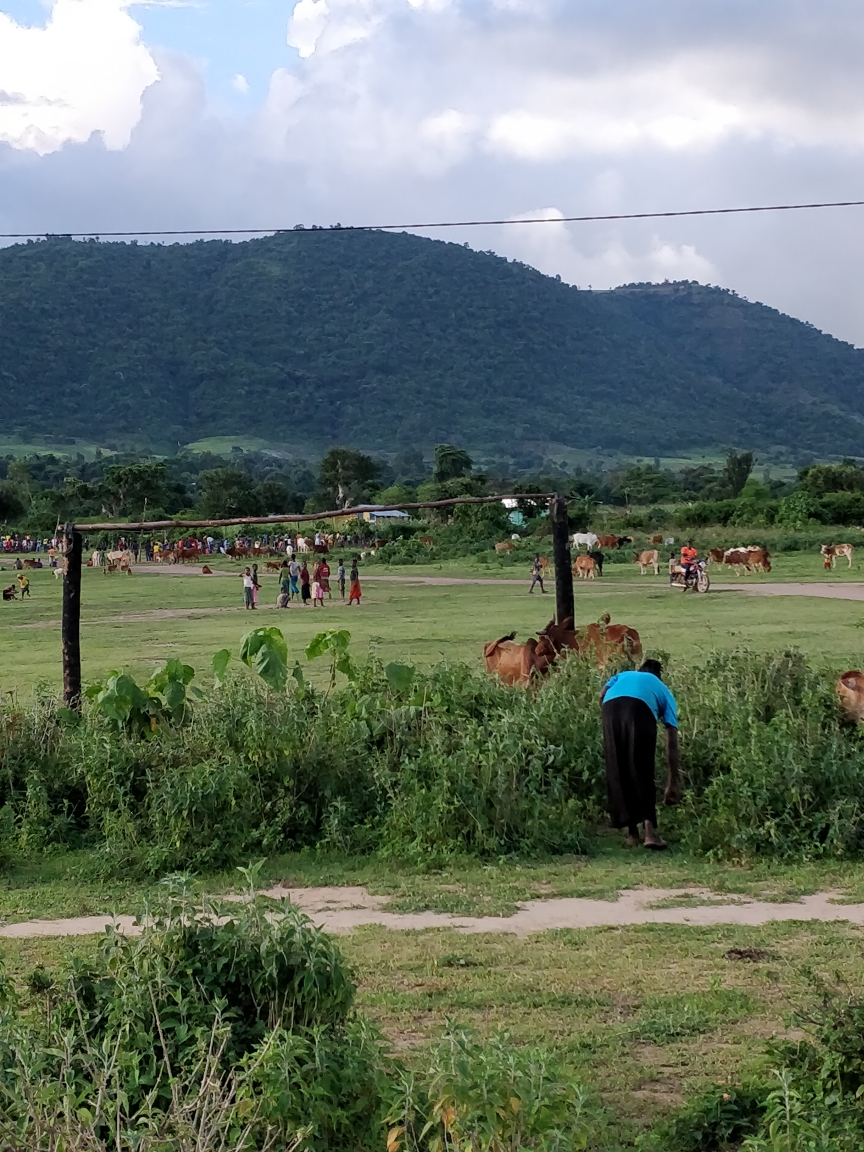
(632, 703)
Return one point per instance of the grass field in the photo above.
(649, 1014)
(137, 622)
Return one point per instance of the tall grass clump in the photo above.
(421, 765)
(772, 768)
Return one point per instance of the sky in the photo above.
(270, 113)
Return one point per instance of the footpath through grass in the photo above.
(648, 1016)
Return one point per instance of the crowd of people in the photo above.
(298, 583)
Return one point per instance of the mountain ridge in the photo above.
(383, 340)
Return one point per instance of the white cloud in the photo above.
(606, 260)
(84, 72)
(240, 83)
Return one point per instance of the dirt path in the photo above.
(833, 591)
(341, 910)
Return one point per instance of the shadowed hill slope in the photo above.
(383, 340)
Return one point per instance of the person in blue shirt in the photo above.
(631, 705)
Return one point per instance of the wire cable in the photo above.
(300, 229)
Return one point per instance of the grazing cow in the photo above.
(716, 555)
(647, 560)
(513, 663)
(655, 539)
(850, 689)
(504, 547)
(738, 558)
(832, 551)
(584, 567)
(597, 556)
(584, 540)
(10, 593)
(427, 540)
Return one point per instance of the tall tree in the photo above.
(129, 487)
(348, 477)
(736, 470)
(227, 492)
(451, 463)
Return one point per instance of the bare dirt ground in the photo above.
(341, 910)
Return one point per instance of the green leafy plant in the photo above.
(334, 642)
(265, 650)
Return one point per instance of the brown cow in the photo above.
(607, 541)
(760, 559)
(738, 558)
(272, 566)
(716, 554)
(504, 547)
(513, 663)
(850, 689)
(585, 567)
(655, 539)
(205, 571)
(427, 540)
(602, 640)
(647, 560)
(32, 563)
(832, 551)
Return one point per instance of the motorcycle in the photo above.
(697, 578)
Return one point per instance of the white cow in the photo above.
(96, 559)
(585, 540)
(303, 545)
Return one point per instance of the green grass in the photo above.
(137, 622)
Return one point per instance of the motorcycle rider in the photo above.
(689, 556)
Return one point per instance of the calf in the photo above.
(584, 567)
(647, 560)
(597, 556)
(504, 547)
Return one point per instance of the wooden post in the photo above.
(70, 629)
(561, 551)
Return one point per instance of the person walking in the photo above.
(255, 586)
(354, 592)
(23, 585)
(324, 577)
(537, 574)
(294, 576)
(305, 593)
(340, 576)
(631, 705)
(248, 588)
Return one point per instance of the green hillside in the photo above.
(385, 340)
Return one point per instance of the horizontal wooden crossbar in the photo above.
(305, 517)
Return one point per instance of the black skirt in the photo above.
(629, 742)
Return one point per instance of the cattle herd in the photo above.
(523, 664)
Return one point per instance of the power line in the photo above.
(98, 234)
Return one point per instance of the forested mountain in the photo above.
(386, 341)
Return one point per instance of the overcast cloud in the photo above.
(185, 114)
